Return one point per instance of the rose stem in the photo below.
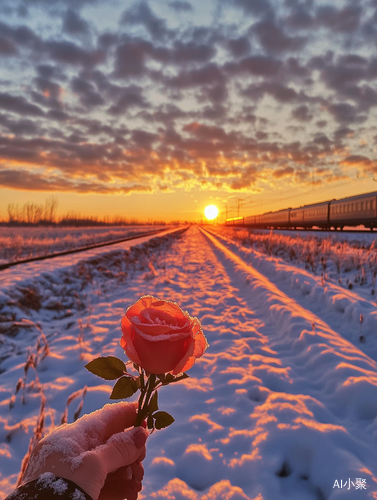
(142, 394)
(143, 412)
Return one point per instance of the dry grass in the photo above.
(33, 358)
(326, 256)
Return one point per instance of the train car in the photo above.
(354, 211)
(316, 215)
(235, 221)
(296, 217)
(351, 211)
(250, 221)
(273, 219)
(310, 215)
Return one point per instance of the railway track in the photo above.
(77, 250)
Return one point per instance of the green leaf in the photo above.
(150, 422)
(162, 419)
(124, 388)
(107, 367)
(153, 406)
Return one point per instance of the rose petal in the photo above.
(201, 344)
(126, 341)
(160, 356)
(181, 365)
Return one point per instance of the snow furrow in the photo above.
(335, 373)
(353, 316)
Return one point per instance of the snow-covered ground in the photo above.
(23, 242)
(283, 404)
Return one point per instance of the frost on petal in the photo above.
(201, 344)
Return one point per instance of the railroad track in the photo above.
(77, 250)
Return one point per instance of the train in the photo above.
(334, 214)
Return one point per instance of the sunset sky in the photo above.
(156, 109)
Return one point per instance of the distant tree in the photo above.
(51, 205)
(12, 217)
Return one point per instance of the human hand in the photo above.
(96, 453)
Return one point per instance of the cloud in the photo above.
(180, 6)
(7, 47)
(141, 14)
(87, 92)
(232, 97)
(19, 105)
(206, 75)
(273, 39)
(130, 59)
(130, 97)
(23, 126)
(346, 113)
(255, 65)
(256, 7)
(27, 181)
(70, 53)
(74, 24)
(343, 20)
(283, 172)
(186, 52)
(239, 47)
(302, 114)
(21, 36)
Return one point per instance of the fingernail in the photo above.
(139, 437)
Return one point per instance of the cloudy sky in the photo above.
(155, 109)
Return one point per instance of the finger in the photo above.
(100, 425)
(127, 472)
(142, 456)
(121, 474)
(118, 490)
(137, 471)
(122, 449)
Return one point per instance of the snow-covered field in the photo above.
(283, 404)
(23, 242)
(348, 259)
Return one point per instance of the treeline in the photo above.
(33, 214)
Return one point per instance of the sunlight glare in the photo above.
(211, 212)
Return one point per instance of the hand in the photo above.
(96, 453)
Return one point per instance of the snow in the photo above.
(25, 242)
(59, 486)
(282, 405)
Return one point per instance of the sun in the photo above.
(211, 212)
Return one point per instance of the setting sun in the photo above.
(211, 212)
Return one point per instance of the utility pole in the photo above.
(239, 202)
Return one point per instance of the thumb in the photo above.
(123, 448)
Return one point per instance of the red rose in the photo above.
(160, 337)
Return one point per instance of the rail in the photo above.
(80, 249)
